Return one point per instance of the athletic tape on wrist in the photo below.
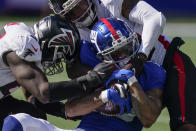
(103, 96)
(131, 80)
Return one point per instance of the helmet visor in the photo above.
(127, 48)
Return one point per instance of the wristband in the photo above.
(131, 80)
(103, 96)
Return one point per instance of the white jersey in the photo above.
(104, 10)
(19, 38)
(112, 8)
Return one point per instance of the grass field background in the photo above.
(185, 29)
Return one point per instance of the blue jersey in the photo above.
(87, 55)
(97, 122)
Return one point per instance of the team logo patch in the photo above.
(35, 49)
(28, 52)
(65, 40)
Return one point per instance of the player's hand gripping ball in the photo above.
(116, 105)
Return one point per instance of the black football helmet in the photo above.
(59, 40)
(80, 12)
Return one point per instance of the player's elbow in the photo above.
(159, 20)
(156, 21)
(162, 20)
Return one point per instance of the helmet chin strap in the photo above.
(90, 20)
(87, 22)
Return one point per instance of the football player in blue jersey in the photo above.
(142, 94)
(177, 75)
(114, 41)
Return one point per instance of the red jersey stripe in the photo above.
(181, 82)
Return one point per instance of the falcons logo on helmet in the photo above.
(65, 40)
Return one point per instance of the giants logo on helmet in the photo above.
(118, 33)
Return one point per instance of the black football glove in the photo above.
(104, 70)
(97, 76)
(137, 63)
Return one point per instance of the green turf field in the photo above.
(162, 123)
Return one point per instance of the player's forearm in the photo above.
(74, 88)
(146, 109)
(83, 105)
(153, 23)
(152, 28)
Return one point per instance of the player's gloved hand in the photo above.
(118, 95)
(104, 70)
(97, 76)
(124, 75)
(137, 63)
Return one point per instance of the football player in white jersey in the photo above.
(24, 51)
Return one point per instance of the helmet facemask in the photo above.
(80, 12)
(87, 18)
(56, 52)
(57, 6)
(122, 50)
(54, 64)
(114, 41)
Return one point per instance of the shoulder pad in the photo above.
(31, 51)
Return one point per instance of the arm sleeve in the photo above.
(153, 23)
(65, 90)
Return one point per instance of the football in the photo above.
(109, 108)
